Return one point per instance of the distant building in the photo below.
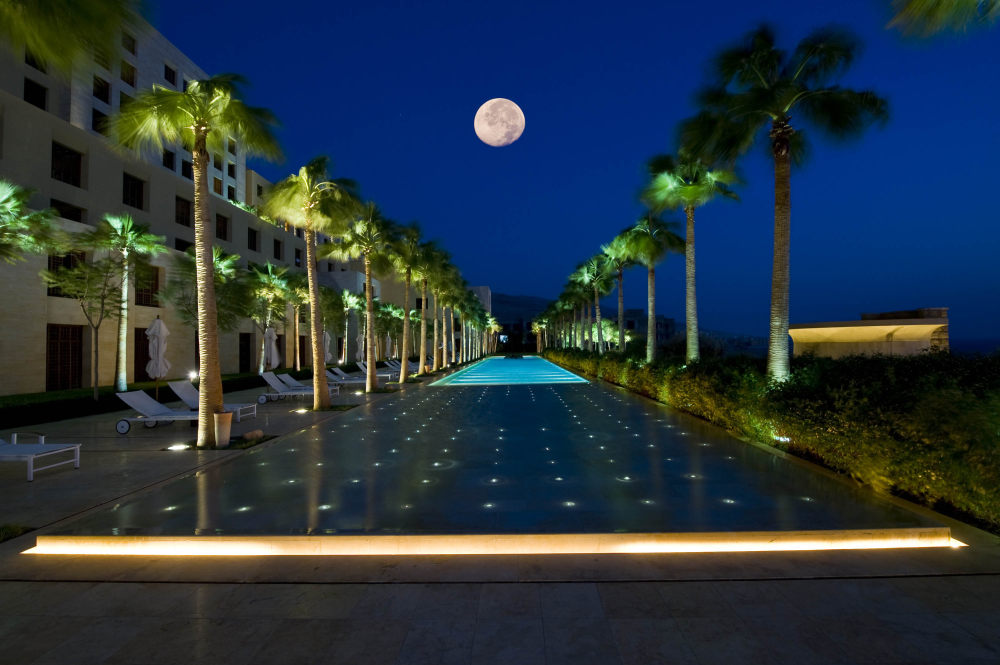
(485, 296)
(636, 322)
(901, 333)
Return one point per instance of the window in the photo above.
(102, 58)
(68, 210)
(231, 146)
(278, 250)
(253, 240)
(128, 43)
(123, 100)
(222, 227)
(36, 94)
(99, 121)
(260, 190)
(420, 303)
(133, 191)
(217, 162)
(187, 169)
(298, 257)
(65, 261)
(67, 164)
(181, 245)
(300, 233)
(231, 170)
(32, 61)
(128, 73)
(184, 85)
(169, 159)
(170, 74)
(147, 285)
(102, 90)
(329, 266)
(217, 185)
(231, 193)
(63, 357)
(182, 211)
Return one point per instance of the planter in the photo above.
(223, 424)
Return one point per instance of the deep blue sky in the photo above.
(906, 217)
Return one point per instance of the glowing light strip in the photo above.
(572, 543)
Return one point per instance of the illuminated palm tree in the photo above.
(687, 183)
(21, 229)
(407, 253)
(368, 237)
(594, 274)
(297, 295)
(758, 87)
(927, 17)
(619, 260)
(203, 119)
(129, 244)
(352, 302)
(270, 297)
(648, 242)
(310, 200)
(62, 33)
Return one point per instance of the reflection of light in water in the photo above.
(807, 498)
(169, 508)
(569, 504)
(243, 509)
(488, 505)
(647, 502)
(729, 501)
(325, 506)
(178, 446)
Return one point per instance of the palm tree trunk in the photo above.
(347, 330)
(423, 327)
(405, 360)
(621, 312)
(777, 345)
(651, 315)
(121, 384)
(371, 382)
(95, 371)
(295, 334)
(451, 335)
(436, 363)
(321, 389)
(691, 302)
(209, 376)
(597, 315)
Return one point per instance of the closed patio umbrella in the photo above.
(327, 356)
(272, 358)
(158, 365)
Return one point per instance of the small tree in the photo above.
(96, 286)
(297, 295)
(23, 230)
(269, 287)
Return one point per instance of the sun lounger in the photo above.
(29, 452)
(338, 375)
(293, 383)
(392, 376)
(278, 389)
(189, 395)
(152, 412)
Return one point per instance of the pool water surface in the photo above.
(575, 457)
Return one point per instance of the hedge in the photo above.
(926, 427)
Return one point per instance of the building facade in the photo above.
(900, 333)
(52, 141)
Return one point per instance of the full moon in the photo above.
(499, 122)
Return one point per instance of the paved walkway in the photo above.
(914, 606)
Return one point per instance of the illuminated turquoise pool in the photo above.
(495, 371)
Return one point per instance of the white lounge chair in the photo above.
(398, 366)
(280, 390)
(29, 452)
(392, 376)
(338, 376)
(294, 383)
(152, 412)
(189, 395)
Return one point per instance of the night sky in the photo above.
(908, 216)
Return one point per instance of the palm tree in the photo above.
(352, 301)
(61, 33)
(130, 244)
(619, 260)
(687, 182)
(759, 86)
(927, 17)
(310, 200)
(203, 119)
(595, 274)
(368, 237)
(297, 295)
(430, 255)
(23, 230)
(270, 297)
(648, 242)
(406, 258)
